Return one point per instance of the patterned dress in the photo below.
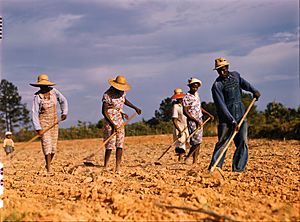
(193, 104)
(47, 117)
(44, 114)
(115, 101)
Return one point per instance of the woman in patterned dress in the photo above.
(193, 111)
(113, 101)
(44, 114)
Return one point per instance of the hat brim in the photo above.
(178, 96)
(200, 83)
(46, 83)
(121, 87)
(221, 66)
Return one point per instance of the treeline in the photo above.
(276, 121)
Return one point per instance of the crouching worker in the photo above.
(180, 132)
(112, 109)
(8, 143)
(44, 115)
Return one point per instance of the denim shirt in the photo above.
(227, 96)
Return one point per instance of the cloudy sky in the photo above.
(156, 44)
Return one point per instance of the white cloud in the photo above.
(49, 30)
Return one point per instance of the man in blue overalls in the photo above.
(227, 96)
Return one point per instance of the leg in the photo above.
(109, 145)
(106, 158)
(191, 152)
(48, 162)
(52, 155)
(224, 133)
(240, 157)
(196, 153)
(119, 153)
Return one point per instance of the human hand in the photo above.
(256, 95)
(138, 111)
(124, 116)
(39, 132)
(63, 117)
(179, 135)
(235, 126)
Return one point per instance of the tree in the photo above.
(13, 113)
(165, 110)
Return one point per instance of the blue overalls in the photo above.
(227, 95)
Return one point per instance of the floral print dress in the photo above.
(193, 104)
(115, 101)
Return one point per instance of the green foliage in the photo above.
(83, 130)
(276, 121)
(13, 113)
(165, 110)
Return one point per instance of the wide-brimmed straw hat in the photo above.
(178, 94)
(119, 83)
(220, 62)
(194, 80)
(8, 133)
(42, 80)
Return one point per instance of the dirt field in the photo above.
(267, 191)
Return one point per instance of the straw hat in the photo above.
(8, 133)
(119, 83)
(42, 80)
(194, 80)
(220, 62)
(178, 94)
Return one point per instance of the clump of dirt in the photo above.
(146, 190)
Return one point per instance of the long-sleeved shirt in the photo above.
(227, 96)
(36, 107)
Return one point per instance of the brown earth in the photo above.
(267, 191)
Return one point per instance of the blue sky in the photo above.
(156, 44)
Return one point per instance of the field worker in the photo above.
(8, 143)
(112, 109)
(44, 114)
(193, 111)
(180, 130)
(227, 96)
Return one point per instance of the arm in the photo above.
(220, 103)
(189, 116)
(245, 85)
(175, 122)
(207, 113)
(35, 113)
(129, 104)
(63, 104)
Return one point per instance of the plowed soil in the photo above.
(147, 190)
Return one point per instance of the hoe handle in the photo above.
(233, 135)
(43, 132)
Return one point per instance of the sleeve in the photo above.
(12, 143)
(35, 113)
(4, 142)
(106, 98)
(175, 111)
(220, 103)
(186, 102)
(245, 85)
(63, 102)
